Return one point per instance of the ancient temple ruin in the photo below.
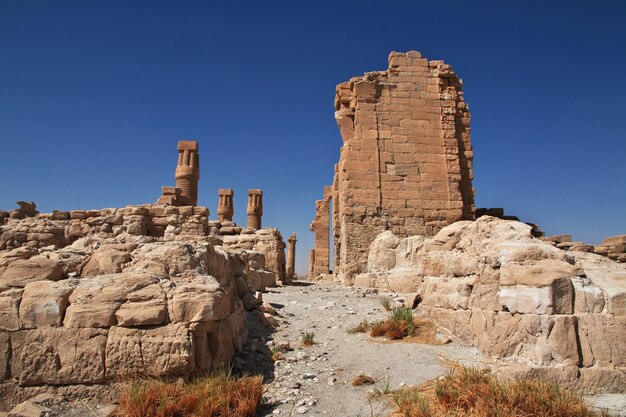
(405, 164)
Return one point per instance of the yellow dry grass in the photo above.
(216, 396)
(470, 392)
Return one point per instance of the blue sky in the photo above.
(94, 96)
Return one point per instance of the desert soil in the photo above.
(317, 380)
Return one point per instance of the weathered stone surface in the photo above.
(9, 309)
(144, 307)
(25, 271)
(108, 259)
(7, 258)
(95, 301)
(405, 164)
(58, 356)
(5, 355)
(176, 259)
(493, 284)
(201, 300)
(382, 254)
(166, 350)
(44, 303)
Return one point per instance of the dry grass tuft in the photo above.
(222, 395)
(402, 325)
(308, 339)
(469, 392)
(276, 354)
(386, 302)
(362, 327)
(363, 379)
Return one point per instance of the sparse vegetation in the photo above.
(276, 353)
(308, 339)
(362, 327)
(470, 392)
(222, 395)
(383, 390)
(386, 302)
(399, 324)
(363, 379)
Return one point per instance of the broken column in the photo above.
(321, 227)
(225, 207)
(255, 208)
(188, 170)
(291, 257)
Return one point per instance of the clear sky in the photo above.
(94, 96)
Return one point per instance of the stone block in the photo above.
(58, 356)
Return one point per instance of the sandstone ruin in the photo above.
(88, 297)
(255, 208)
(405, 164)
(91, 296)
(225, 208)
(403, 220)
(291, 257)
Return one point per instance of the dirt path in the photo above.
(317, 380)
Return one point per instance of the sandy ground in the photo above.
(317, 380)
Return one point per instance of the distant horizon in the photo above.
(94, 97)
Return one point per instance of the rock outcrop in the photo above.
(557, 314)
(88, 298)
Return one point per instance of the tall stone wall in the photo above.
(406, 160)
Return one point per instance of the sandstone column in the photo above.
(188, 169)
(311, 275)
(291, 257)
(225, 207)
(255, 208)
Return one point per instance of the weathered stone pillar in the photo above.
(291, 257)
(321, 227)
(311, 275)
(188, 170)
(255, 208)
(225, 207)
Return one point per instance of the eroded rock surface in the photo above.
(116, 293)
(560, 314)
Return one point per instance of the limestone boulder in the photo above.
(9, 309)
(382, 253)
(165, 350)
(44, 303)
(143, 307)
(95, 301)
(175, 259)
(607, 277)
(107, 259)
(8, 257)
(202, 300)
(24, 271)
(58, 356)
